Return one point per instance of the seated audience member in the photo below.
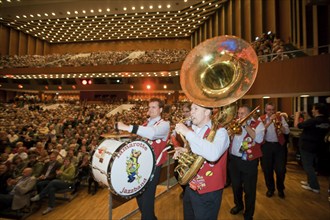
(72, 157)
(61, 153)
(64, 180)
(18, 197)
(21, 150)
(36, 165)
(48, 173)
(83, 171)
(4, 176)
(17, 166)
(12, 137)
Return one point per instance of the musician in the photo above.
(178, 142)
(155, 130)
(202, 199)
(245, 151)
(274, 150)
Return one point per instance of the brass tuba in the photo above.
(216, 73)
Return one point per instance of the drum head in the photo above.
(131, 168)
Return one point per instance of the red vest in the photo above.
(254, 150)
(212, 175)
(158, 146)
(279, 133)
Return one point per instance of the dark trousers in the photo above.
(273, 159)
(244, 176)
(201, 206)
(146, 201)
(308, 161)
(41, 184)
(50, 190)
(5, 201)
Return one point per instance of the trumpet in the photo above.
(235, 127)
(277, 122)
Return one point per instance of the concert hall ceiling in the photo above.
(63, 21)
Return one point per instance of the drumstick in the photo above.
(116, 127)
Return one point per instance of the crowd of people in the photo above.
(36, 138)
(160, 56)
(268, 48)
(46, 150)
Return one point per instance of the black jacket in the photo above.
(314, 131)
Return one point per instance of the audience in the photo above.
(268, 48)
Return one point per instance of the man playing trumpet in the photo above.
(274, 150)
(244, 159)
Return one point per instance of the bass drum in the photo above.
(125, 168)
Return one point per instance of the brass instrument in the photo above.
(236, 126)
(216, 73)
(277, 123)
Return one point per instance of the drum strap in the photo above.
(161, 153)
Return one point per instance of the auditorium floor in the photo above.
(298, 204)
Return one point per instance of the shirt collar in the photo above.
(207, 125)
(154, 120)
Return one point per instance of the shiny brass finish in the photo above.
(216, 73)
(277, 123)
(235, 127)
(219, 71)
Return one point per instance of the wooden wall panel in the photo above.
(223, 22)
(237, 16)
(22, 44)
(4, 40)
(39, 47)
(269, 16)
(256, 19)
(246, 20)
(229, 18)
(31, 45)
(13, 42)
(284, 17)
(120, 46)
(285, 105)
(299, 75)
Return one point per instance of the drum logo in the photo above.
(132, 166)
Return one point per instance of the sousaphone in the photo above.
(216, 73)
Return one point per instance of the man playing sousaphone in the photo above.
(202, 199)
(157, 131)
(177, 141)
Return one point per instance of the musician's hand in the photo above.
(182, 129)
(122, 126)
(272, 117)
(178, 152)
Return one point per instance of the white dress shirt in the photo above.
(152, 132)
(271, 135)
(238, 139)
(211, 151)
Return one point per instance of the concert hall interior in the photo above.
(76, 67)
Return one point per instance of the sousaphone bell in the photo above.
(216, 73)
